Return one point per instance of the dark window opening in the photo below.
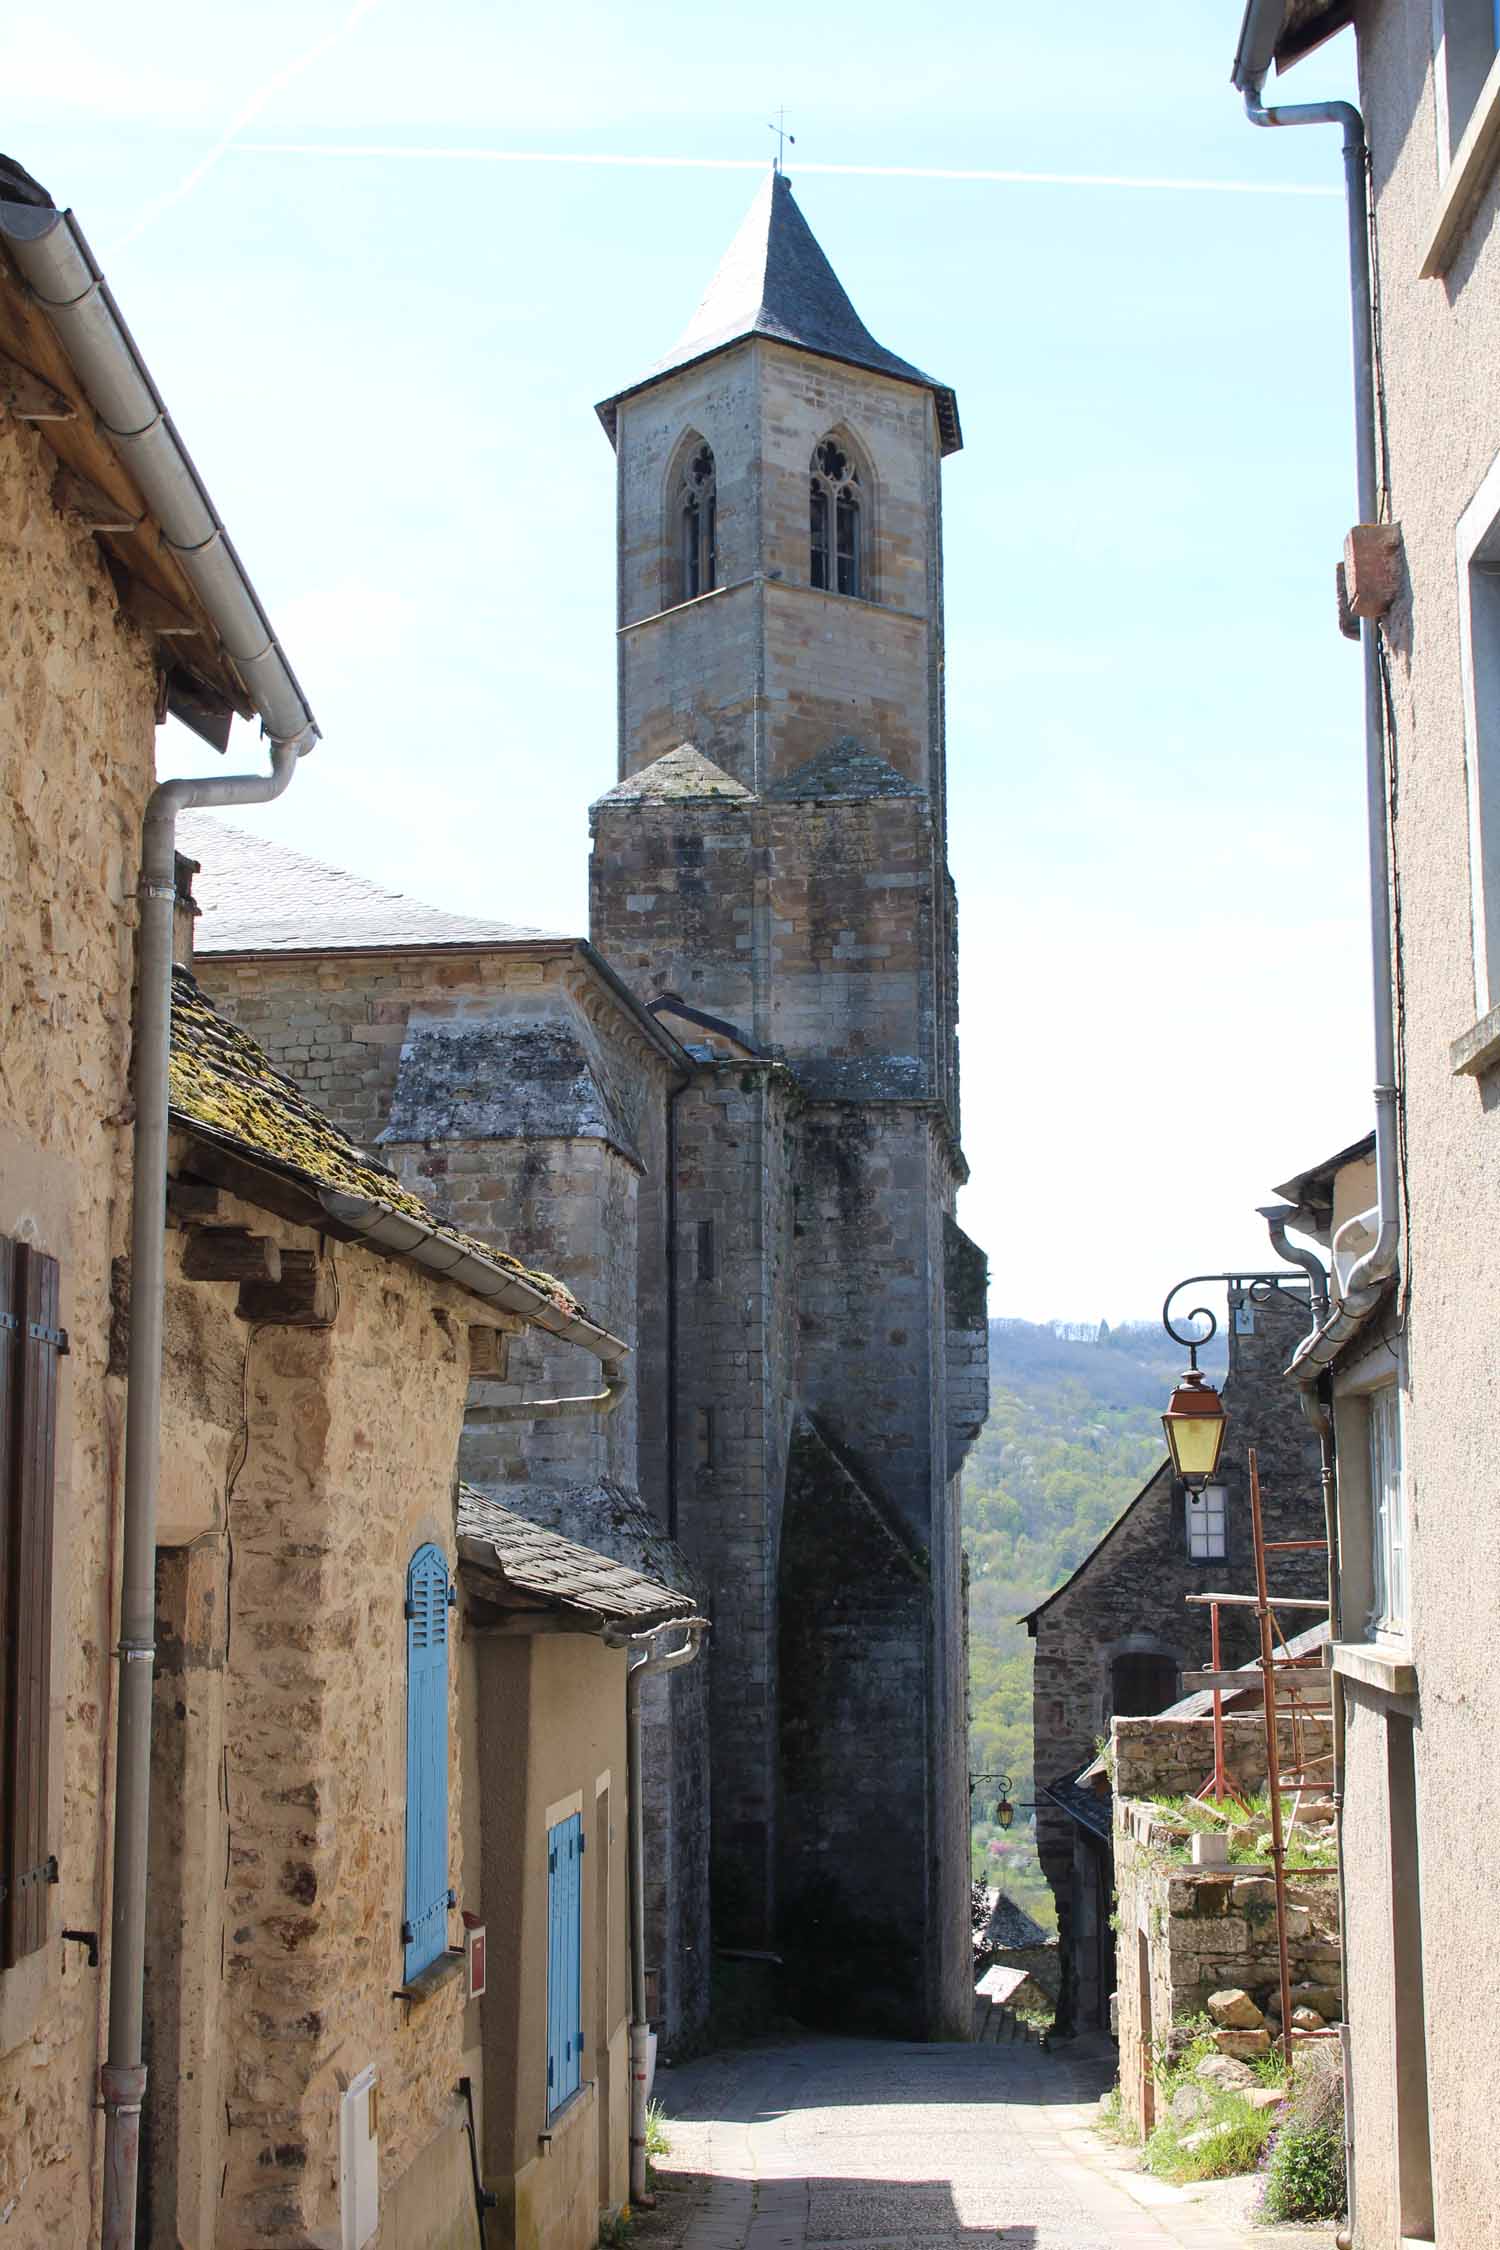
(1142, 1683)
(698, 526)
(705, 1437)
(835, 558)
(705, 1250)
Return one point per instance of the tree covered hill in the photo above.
(1074, 1431)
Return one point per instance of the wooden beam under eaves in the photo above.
(29, 397)
(74, 494)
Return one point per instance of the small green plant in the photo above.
(657, 2143)
(1305, 2177)
(1228, 2137)
(614, 2230)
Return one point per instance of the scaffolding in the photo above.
(1295, 1685)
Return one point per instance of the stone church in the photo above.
(729, 1119)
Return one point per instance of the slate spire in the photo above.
(775, 281)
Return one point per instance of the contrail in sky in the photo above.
(405, 152)
(247, 115)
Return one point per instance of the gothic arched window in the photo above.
(836, 526)
(697, 525)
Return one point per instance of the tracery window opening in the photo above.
(834, 521)
(699, 520)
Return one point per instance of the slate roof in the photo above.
(256, 896)
(500, 1078)
(775, 281)
(1010, 1927)
(1090, 1808)
(547, 1571)
(225, 1088)
(844, 769)
(681, 774)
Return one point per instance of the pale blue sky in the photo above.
(386, 367)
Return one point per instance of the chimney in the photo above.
(185, 910)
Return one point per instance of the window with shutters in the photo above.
(424, 1929)
(31, 1343)
(564, 1960)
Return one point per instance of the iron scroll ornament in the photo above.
(1259, 1287)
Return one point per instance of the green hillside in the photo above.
(1074, 1431)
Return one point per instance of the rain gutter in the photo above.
(367, 1220)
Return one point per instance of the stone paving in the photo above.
(871, 2145)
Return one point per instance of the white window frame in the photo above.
(1207, 1518)
(1466, 107)
(1478, 559)
(1389, 1526)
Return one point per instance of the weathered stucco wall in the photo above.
(563, 1695)
(322, 1458)
(1441, 417)
(77, 758)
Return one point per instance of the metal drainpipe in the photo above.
(122, 2078)
(1379, 1261)
(640, 2029)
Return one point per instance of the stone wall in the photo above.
(279, 1823)
(1130, 1594)
(513, 1089)
(765, 671)
(1186, 1932)
(77, 757)
(854, 1724)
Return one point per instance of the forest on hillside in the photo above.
(1074, 1431)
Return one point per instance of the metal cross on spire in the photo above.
(782, 137)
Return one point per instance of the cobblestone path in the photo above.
(869, 2145)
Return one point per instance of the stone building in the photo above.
(741, 1135)
(348, 1766)
(1407, 1363)
(1115, 1638)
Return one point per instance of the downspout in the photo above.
(51, 252)
(1262, 27)
(122, 2079)
(640, 2029)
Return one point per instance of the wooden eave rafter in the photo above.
(93, 486)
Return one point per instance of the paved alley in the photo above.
(872, 2145)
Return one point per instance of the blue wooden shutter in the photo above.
(425, 1929)
(564, 1960)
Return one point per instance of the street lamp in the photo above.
(1195, 1419)
(1194, 1423)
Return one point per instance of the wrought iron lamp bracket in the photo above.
(1260, 1288)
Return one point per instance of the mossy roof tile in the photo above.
(226, 1088)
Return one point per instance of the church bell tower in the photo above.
(770, 873)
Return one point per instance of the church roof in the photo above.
(255, 896)
(682, 774)
(775, 281)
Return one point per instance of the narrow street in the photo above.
(873, 2145)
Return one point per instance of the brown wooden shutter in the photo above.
(30, 1345)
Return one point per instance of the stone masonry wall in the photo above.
(1187, 1932)
(735, 1309)
(285, 1638)
(1131, 1592)
(77, 758)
